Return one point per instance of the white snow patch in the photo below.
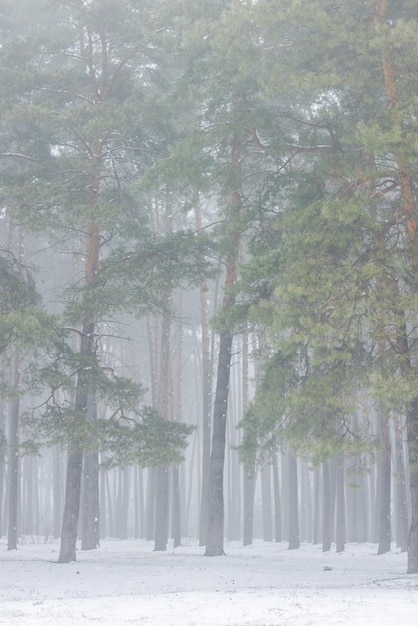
(125, 582)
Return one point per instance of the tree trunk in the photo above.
(412, 430)
(277, 504)
(400, 489)
(326, 509)
(405, 170)
(385, 484)
(266, 503)
(206, 396)
(75, 456)
(71, 507)
(57, 490)
(13, 474)
(294, 536)
(215, 534)
(249, 493)
(340, 533)
(90, 532)
(161, 510)
(176, 507)
(317, 507)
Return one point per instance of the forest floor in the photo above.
(125, 582)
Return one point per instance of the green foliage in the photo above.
(150, 441)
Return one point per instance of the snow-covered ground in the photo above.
(125, 582)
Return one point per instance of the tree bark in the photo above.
(266, 499)
(326, 509)
(249, 493)
(75, 456)
(277, 503)
(294, 535)
(13, 475)
(90, 530)
(340, 532)
(215, 534)
(409, 208)
(385, 484)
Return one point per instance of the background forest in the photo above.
(209, 272)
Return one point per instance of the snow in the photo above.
(125, 582)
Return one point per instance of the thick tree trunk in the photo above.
(412, 430)
(90, 531)
(71, 508)
(405, 170)
(215, 534)
(75, 456)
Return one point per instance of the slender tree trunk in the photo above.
(249, 493)
(206, 395)
(341, 533)
(385, 485)
(162, 484)
(150, 515)
(266, 503)
(176, 507)
(161, 510)
(13, 474)
(326, 509)
(317, 507)
(57, 490)
(3, 448)
(277, 503)
(294, 535)
(400, 488)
